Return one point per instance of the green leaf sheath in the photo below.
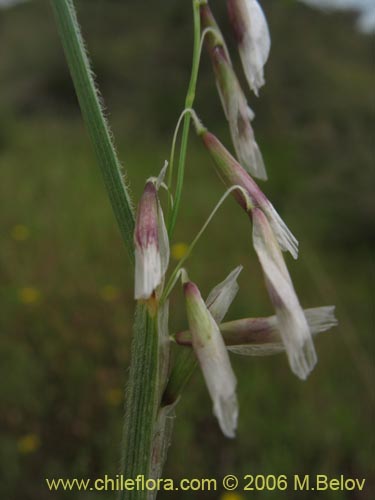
(182, 372)
(142, 401)
(94, 118)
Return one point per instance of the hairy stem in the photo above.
(93, 115)
(142, 401)
(143, 390)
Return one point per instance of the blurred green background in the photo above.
(65, 282)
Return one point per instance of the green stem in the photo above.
(172, 155)
(142, 401)
(93, 115)
(143, 389)
(189, 101)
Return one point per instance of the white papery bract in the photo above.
(239, 117)
(253, 39)
(292, 323)
(266, 340)
(321, 319)
(221, 297)
(213, 359)
(233, 100)
(286, 239)
(243, 139)
(151, 243)
(148, 273)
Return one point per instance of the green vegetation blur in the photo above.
(65, 282)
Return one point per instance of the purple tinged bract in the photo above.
(253, 38)
(151, 244)
(232, 174)
(213, 359)
(233, 100)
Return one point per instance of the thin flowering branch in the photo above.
(214, 32)
(172, 280)
(173, 148)
(176, 275)
(188, 104)
(187, 110)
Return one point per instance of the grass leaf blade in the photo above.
(94, 118)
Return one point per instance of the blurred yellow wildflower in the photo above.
(231, 496)
(109, 293)
(20, 232)
(28, 443)
(179, 250)
(29, 295)
(114, 396)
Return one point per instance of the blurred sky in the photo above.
(366, 8)
(366, 20)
